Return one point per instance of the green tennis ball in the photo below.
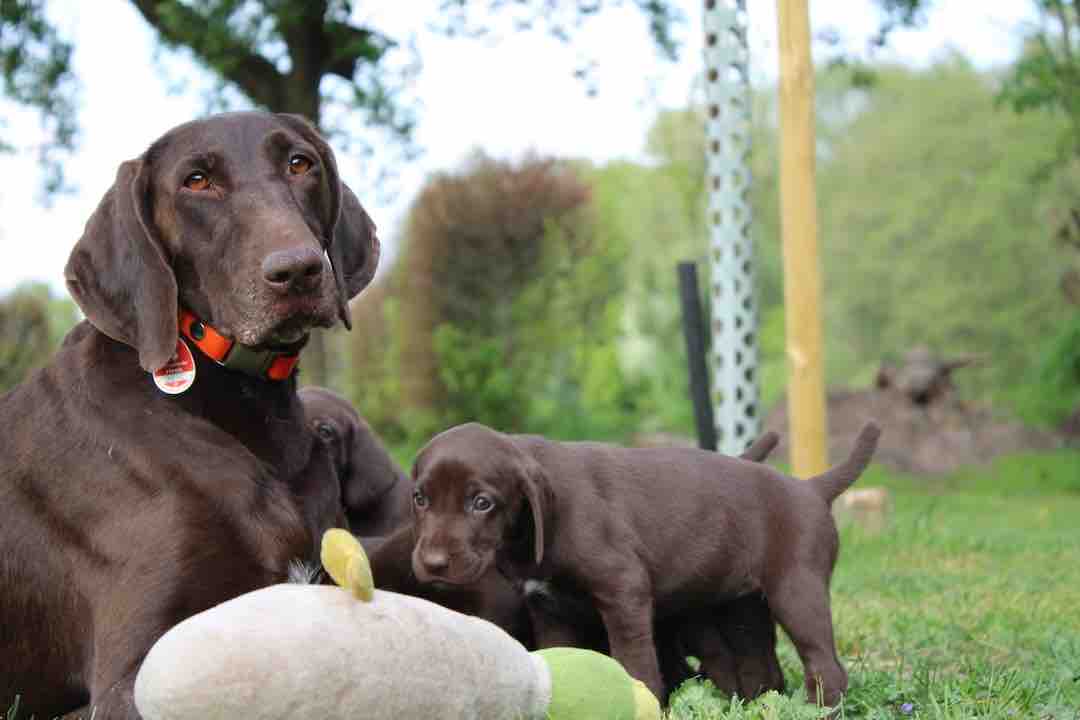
(587, 685)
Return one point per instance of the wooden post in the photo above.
(798, 222)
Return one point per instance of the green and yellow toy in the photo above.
(312, 651)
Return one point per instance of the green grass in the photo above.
(966, 606)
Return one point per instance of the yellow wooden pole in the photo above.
(798, 223)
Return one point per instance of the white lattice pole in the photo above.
(734, 312)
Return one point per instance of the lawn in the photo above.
(966, 606)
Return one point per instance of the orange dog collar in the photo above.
(267, 364)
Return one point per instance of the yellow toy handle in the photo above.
(345, 560)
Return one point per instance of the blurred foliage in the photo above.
(1047, 75)
(931, 233)
(842, 52)
(1047, 78)
(32, 325)
(931, 230)
(501, 308)
(1055, 386)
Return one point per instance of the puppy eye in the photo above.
(325, 431)
(482, 503)
(419, 499)
(300, 164)
(197, 181)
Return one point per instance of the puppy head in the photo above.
(478, 496)
(363, 467)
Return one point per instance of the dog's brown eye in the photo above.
(482, 503)
(299, 165)
(197, 181)
(419, 499)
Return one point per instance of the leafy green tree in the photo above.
(502, 307)
(1047, 75)
(928, 216)
(1047, 79)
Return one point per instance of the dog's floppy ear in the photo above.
(355, 249)
(370, 471)
(537, 492)
(351, 242)
(119, 275)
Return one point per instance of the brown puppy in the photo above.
(643, 532)
(129, 506)
(377, 498)
(735, 640)
(376, 493)
(735, 643)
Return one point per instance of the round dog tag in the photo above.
(177, 375)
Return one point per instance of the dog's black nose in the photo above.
(293, 270)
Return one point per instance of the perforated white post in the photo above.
(734, 311)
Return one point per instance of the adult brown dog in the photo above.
(644, 533)
(126, 508)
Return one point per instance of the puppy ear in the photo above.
(350, 241)
(371, 472)
(537, 491)
(119, 275)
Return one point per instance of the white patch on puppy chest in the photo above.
(537, 587)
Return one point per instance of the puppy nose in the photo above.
(436, 562)
(292, 270)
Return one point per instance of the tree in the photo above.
(1047, 79)
(1047, 76)
(502, 307)
(299, 56)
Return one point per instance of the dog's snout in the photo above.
(435, 562)
(293, 270)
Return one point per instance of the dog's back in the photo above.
(698, 510)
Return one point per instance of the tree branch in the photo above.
(229, 57)
(350, 45)
(1066, 34)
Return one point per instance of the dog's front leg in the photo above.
(551, 629)
(627, 612)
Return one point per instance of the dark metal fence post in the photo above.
(694, 331)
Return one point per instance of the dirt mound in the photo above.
(927, 428)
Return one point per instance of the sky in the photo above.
(504, 96)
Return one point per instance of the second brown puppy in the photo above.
(644, 533)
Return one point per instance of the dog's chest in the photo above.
(270, 527)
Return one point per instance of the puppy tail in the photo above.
(838, 479)
(761, 447)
